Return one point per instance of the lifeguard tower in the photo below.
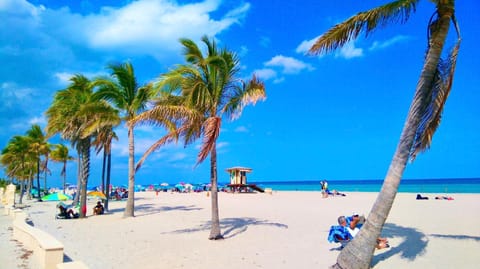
(238, 180)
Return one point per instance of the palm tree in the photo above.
(103, 141)
(130, 98)
(61, 154)
(72, 114)
(208, 91)
(17, 159)
(39, 147)
(425, 111)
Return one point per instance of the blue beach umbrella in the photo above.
(57, 196)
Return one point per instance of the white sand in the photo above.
(283, 230)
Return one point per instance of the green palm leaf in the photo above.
(368, 21)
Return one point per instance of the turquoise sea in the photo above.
(451, 185)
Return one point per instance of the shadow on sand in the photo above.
(413, 245)
(233, 226)
(150, 209)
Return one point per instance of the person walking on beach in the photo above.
(324, 185)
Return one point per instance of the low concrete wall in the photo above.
(47, 250)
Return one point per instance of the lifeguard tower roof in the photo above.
(239, 168)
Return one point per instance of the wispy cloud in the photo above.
(305, 46)
(283, 65)
(266, 73)
(349, 51)
(288, 65)
(388, 43)
(241, 129)
(265, 41)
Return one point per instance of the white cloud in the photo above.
(349, 51)
(19, 7)
(145, 26)
(387, 43)
(222, 145)
(265, 41)
(305, 46)
(265, 73)
(38, 120)
(289, 65)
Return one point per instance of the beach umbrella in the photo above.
(164, 184)
(56, 196)
(97, 194)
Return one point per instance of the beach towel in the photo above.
(338, 234)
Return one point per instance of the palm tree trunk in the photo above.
(103, 170)
(129, 208)
(109, 168)
(79, 178)
(64, 176)
(22, 188)
(29, 188)
(38, 179)
(85, 175)
(359, 253)
(215, 232)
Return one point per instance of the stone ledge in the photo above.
(47, 250)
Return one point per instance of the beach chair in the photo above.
(339, 234)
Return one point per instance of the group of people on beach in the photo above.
(326, 192)
(71, 212)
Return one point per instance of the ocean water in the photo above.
(451, 185)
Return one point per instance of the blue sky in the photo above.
(337, 116)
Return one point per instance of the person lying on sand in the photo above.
(353, 229)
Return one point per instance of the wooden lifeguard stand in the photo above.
(238, 175)
(238, 180)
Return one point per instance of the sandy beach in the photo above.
(282, 230)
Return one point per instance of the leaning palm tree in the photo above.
(208, 89)
(432, 90)
(130, 98)
(61, 154)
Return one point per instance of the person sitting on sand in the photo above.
(73, 212)
(353, 229)
(98, 209)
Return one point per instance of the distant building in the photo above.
(238, 175)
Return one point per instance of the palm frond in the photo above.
(366, 21)
(172, 136)
(247, 93)
(211, 132)
(438, 95)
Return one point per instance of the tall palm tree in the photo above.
(61, 154)
(39, 147)
(72, 114)
(210, 90)
(103, 142)
(130, 98)
(425, 111)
